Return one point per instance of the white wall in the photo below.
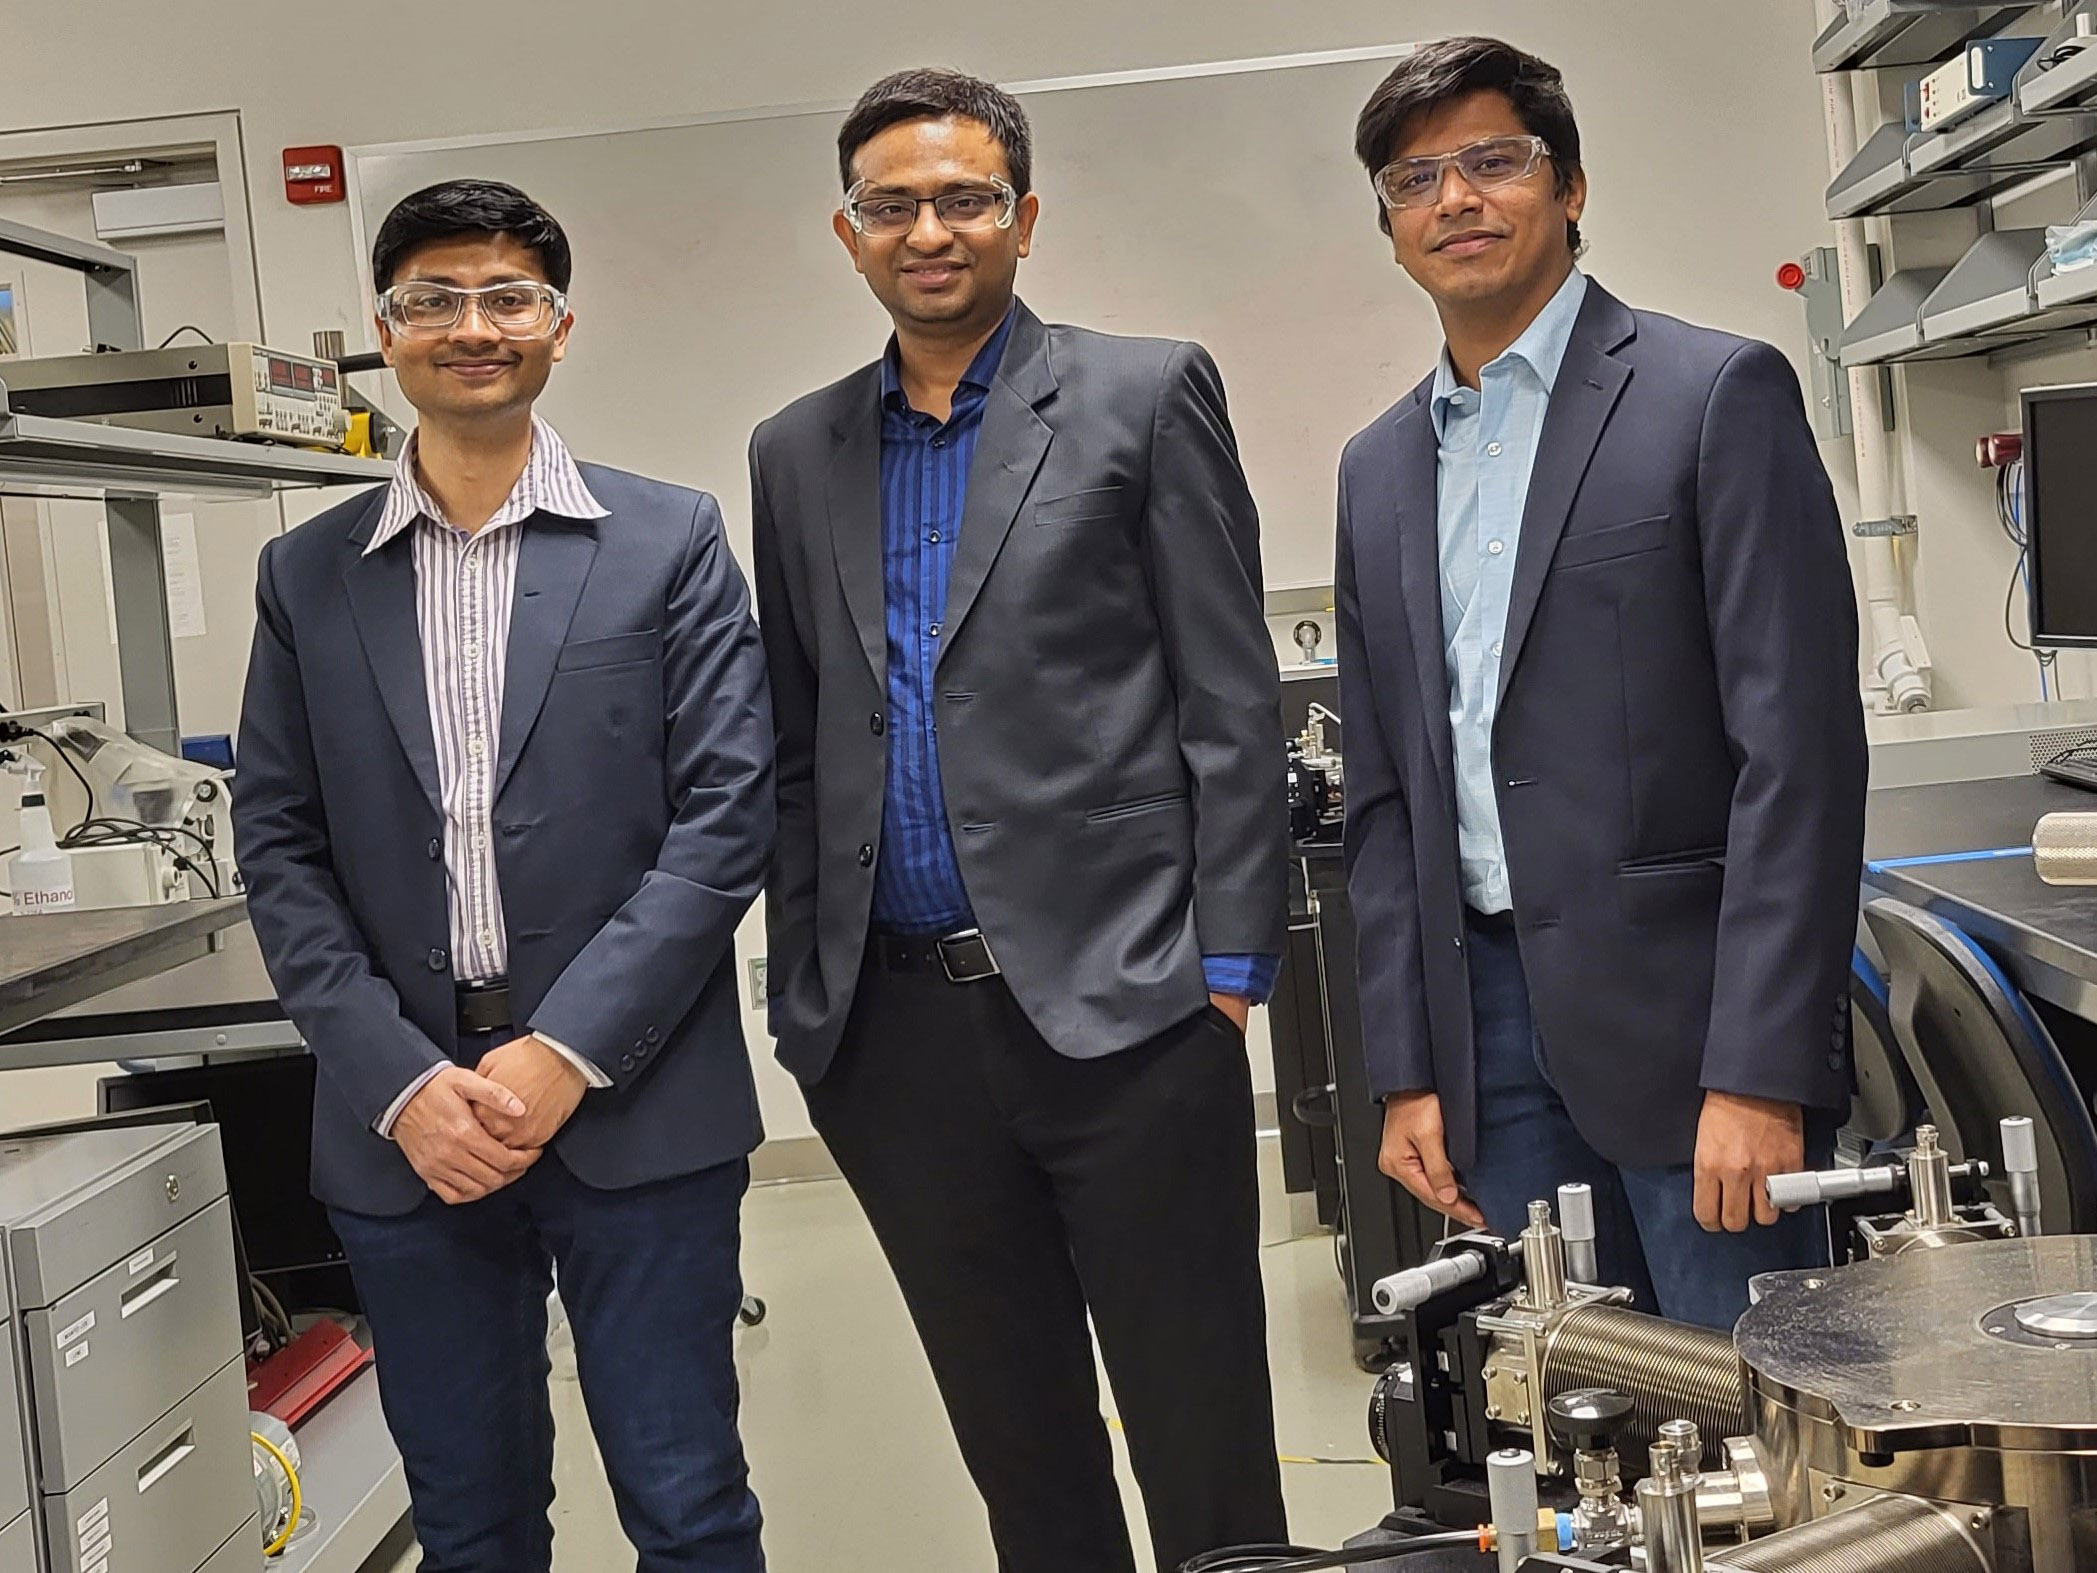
(1668, 93)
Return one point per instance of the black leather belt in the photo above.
(484, 1007)
(1491, 922)
(959, 958)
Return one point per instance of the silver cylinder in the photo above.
(1886, 1535)
(1415, 1286)
(1929, 1180)
(1543, 1260)
(1510, 1482)
(1667, 1510)
(1576, 1221)
(1737, 1497)
(1830, 1185)
(1671, 1371)
(2020, 1164)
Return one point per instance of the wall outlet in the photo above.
(757, 983)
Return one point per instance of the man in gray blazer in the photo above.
(1031, 851)
(1605, 752)
(504, 794)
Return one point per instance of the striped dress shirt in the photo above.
(465, 587)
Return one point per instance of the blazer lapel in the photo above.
(381, 587)
(553, 563)
(1590, 381)
(855, 521)
(1411, 514)
(1009, 450)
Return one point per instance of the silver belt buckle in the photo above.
(966, 957)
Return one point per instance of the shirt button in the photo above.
(1496, 547)
(933, 630)
(487, 936)
(877, 723)
(939, 442)
(866, 856)
(476, 748)
(1496, 649)
(933, 537)
(1492, 450)
(473, 649)
(439, 961)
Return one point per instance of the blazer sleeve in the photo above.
(318, 959)
(1382, 882)
(644, 970)
(1202, 537)
(790, 892)
(1783, 624)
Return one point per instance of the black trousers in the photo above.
(1013, 1190)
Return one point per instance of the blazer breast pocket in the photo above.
(1102, 502)
(1611, 542)
(615, 650)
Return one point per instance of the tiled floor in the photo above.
(848, 1445)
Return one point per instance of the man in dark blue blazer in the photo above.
(1605, 752)
(504, 794)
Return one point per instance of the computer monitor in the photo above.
(2060, 514)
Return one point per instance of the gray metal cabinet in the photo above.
(18, 1547)
(14, 1453)
(169, 1500)
(241, 1554)
(130, 1344)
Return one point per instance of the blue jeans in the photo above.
(651, 1283)
(1648, 1239)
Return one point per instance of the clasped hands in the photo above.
(469, 1133)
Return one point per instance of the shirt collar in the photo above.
(551, 482)
(1541, 347)
(982, 371)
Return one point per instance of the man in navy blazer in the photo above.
(504, 795)
(1605, 751)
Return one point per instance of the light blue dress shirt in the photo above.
(1487, 439)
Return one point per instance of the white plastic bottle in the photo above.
(41, 874)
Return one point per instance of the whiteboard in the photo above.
(709, 290)
(1220, 203)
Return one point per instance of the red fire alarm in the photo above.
(313, 174)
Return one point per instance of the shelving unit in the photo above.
(130, 471)
(2002, 294)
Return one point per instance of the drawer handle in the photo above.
(167, 1460)
(163, 1282)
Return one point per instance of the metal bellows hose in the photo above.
(1670, 1371)
(1885, 1535)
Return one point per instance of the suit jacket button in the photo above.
(626, 1062)
(653, 1036)
(866, 856)
(436, 849)
(439, 961)
(877, 723)
(1835, 1062)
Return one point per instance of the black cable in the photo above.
(1300, 1559)
(2009, 599)
(65, 754)
(187, 327)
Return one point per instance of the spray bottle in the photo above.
(40, 876)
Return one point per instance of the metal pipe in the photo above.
(1889, 1534)
(1929, 1181)
(1543, 1260)
(1510, 1480)
(1670, 1370)
(1738, 1497)
(1667, 1508)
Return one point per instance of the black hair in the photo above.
(933, 93)
(1451, 68)
(470, 207)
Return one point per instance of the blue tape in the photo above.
(1994, 854)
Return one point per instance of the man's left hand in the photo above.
(550, 1086)
(1741, 1142)
(1235, 1006)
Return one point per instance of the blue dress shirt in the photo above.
(925, 463)
(1487, 438)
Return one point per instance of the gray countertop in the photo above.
(48, 963)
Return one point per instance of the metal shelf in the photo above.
(37, 452)
(2068, 85)
(1874, 33)
(1985, 302)
(2002, 145)
(1889, 328)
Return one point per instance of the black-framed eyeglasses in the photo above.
(1485, 165)
(888, 214)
